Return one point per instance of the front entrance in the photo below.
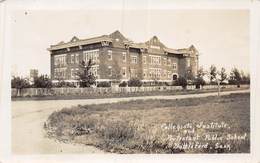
(174, 77)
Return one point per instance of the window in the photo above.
(72, 73)
(188, 62)
(124, 72)
(91, 54)
(174, 66)
(60, 60)
(110, 71)
(155, 72)
(169, 74)
(109, 54)
(60, 73)
(72, 58)
(145, 73)
(77, 58)
(165, 73)
(155, 60)
(164, 61)
(94, 70)
(158, 72)
(144, 59)
(124, 56)
(169, 62)
(155, 47)
(133, 72)
(134, 59)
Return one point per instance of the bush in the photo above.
(104, 84)
(181, 81)
(199, 82)
(64, 84)
(123, 84)
(42, 82)
(135, 82)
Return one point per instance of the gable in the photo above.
(154, 44)
(74, 39)
(117, 36)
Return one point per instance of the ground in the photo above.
(136, 126)
(28, 117)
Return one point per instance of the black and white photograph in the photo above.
(134, 79)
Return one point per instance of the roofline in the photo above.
(107, 38)
(80, 42)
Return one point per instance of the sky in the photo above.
(221, 36)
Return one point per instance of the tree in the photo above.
(42, 81)
(199, 80)
(85, 76)
(182, 81)
(212, 73)
(235, 77)
(245, 78)
(189, 75)
(223, 75)
(19, 83)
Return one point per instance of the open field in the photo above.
(207, 124)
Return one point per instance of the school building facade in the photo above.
(117, 58)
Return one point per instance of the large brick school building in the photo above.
(114, 54)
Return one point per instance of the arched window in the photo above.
(174, 77)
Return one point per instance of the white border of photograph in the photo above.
(5, 98)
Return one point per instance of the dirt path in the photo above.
(28, 118)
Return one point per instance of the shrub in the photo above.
(181, 81)
(42, 82)
(123, 84)
(199, 82)
(104, 84)
(64, 84)
(135, 82)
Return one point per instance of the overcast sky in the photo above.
(221, 36)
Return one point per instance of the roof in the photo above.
(152, 45)
(77, 42)
(138, 45)
(177, 51)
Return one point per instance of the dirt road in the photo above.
(28, 117)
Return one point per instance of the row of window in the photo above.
(151, 72)
(156, 73)
(60, 60)
(91, 54)
(60, 73)
(154, 60)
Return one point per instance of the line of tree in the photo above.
(236, 77)
(86, 78)
(42, 81)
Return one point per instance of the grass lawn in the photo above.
(196, 125)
